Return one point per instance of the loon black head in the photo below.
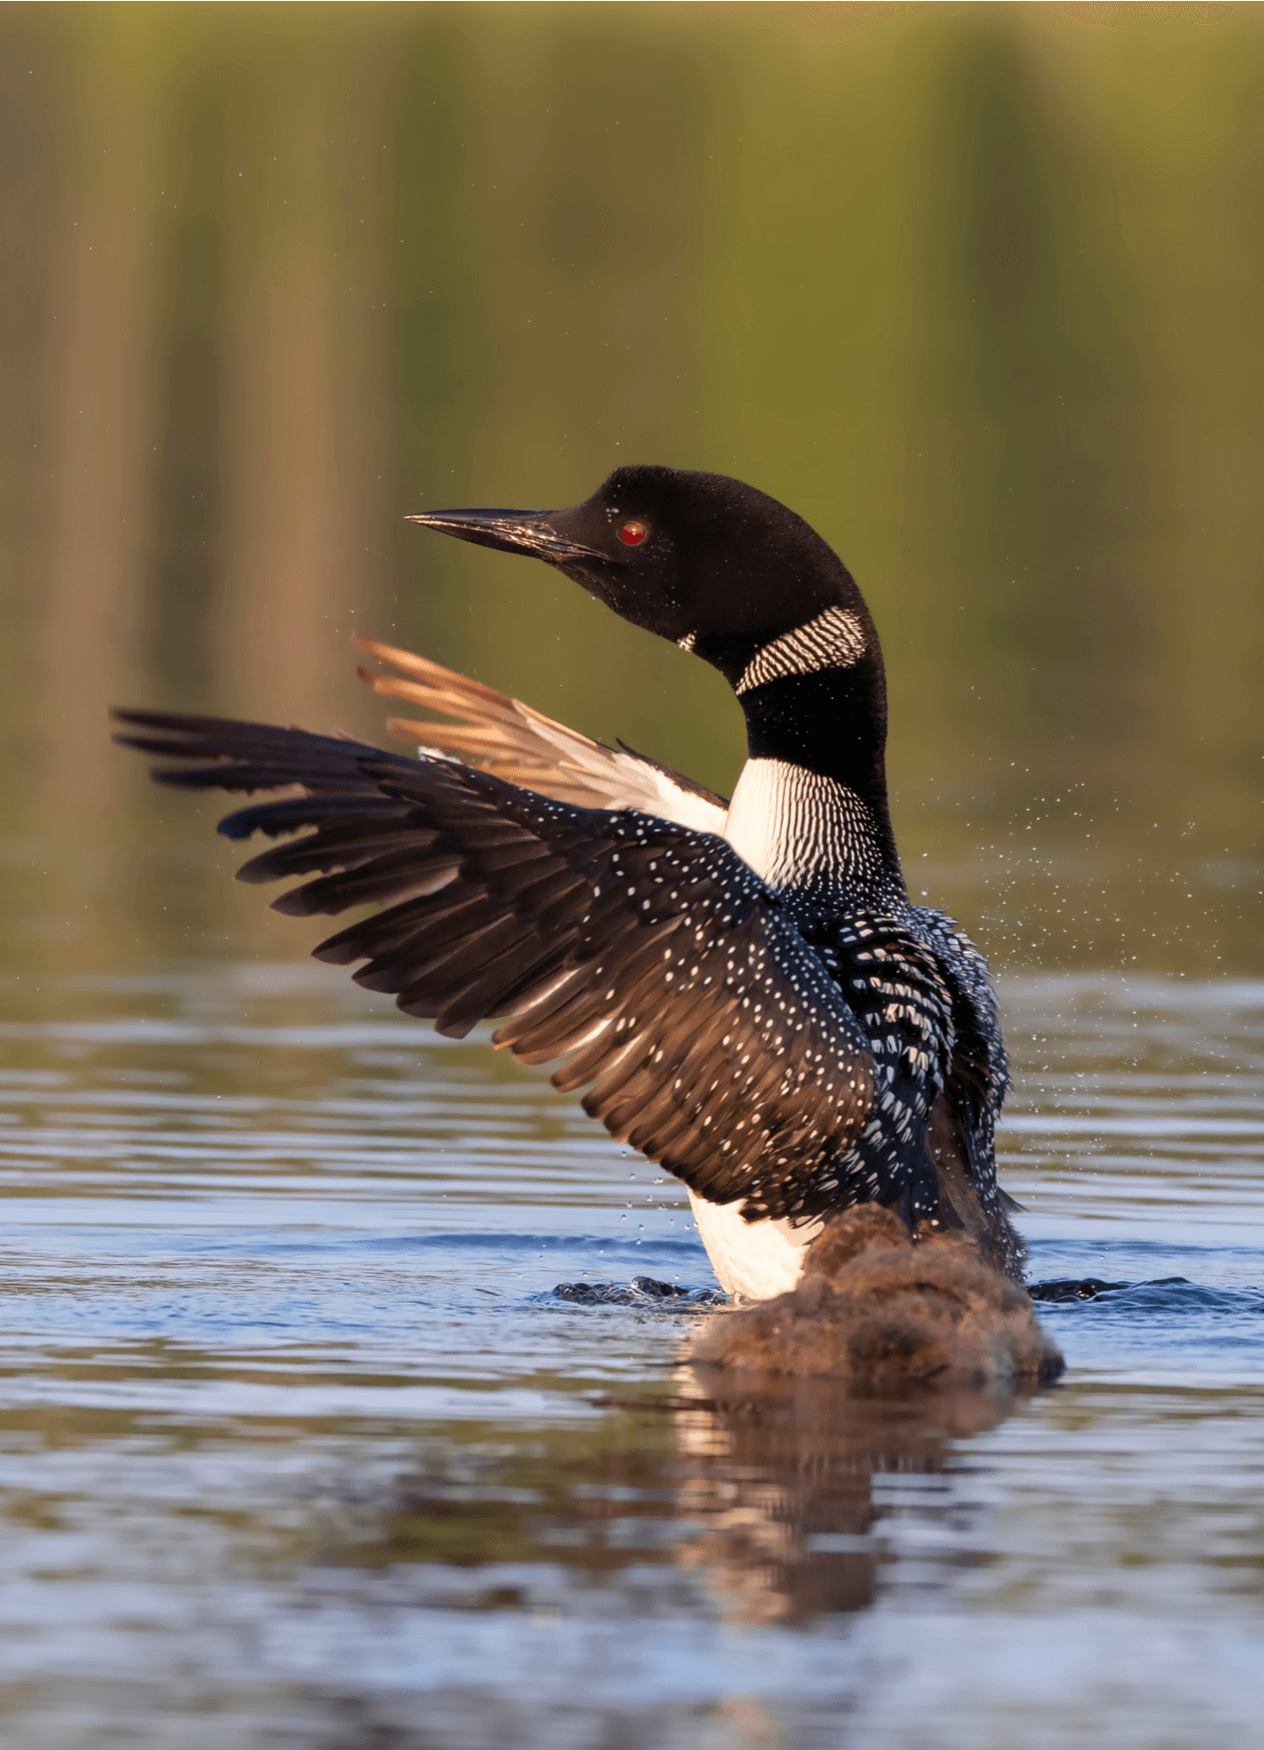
(731, 574)
(697, 558)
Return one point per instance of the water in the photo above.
(298, 1446)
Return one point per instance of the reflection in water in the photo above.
(780, 1476)
(764, 1492)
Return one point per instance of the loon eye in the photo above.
(632, 534)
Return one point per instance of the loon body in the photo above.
(745, 984)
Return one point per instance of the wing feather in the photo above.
(645, 954)
(503, 736)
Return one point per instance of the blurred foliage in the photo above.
(977, 289)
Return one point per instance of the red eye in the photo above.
(632, 534)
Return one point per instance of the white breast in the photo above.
(794, 827)
(754, 1260)
(758, 824)
(790, 826)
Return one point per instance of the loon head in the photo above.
(714, 565)
(740, 580)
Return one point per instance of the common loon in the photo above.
(756, 1003)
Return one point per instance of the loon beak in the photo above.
(512, 531)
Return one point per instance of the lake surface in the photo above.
(298, 1446)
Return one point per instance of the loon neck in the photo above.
(830, 726)
(814, 838)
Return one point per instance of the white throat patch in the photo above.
(834, 639)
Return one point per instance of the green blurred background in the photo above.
(979, 290)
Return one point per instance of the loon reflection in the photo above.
(775, 1495)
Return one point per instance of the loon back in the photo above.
(746, 987)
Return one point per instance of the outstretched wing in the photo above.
(507, 738)
(649, 956)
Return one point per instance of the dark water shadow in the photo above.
(642, 1291)
(1073, 1288)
